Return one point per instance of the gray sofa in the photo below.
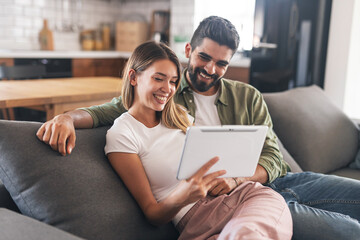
(47, 196)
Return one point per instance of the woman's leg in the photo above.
(251, 211)
(261, 214)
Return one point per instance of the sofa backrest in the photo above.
(79, 193)
(319, 136)
(288, 158)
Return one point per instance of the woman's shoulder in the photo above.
(123, 122)
(123, 118)
(122, 137)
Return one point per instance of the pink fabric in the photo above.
(251, 211)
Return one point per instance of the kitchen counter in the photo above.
(63, 54)
(236, 61)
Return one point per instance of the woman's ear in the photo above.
(132, 77)
(187, 50)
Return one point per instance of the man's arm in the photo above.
(59, 132)
(271, 158)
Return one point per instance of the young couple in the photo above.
(145, 143)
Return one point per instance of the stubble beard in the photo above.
(200, 85)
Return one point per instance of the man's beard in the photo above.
(200, 85)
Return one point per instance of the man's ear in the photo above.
(132, 77)
(188, 50)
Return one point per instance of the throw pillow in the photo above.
(315, 132)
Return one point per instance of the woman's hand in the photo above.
(197, 186)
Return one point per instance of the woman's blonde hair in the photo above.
(173, 115)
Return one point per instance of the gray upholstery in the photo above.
(15, 226)
(315, 132)
(82, 195)
(6, 200)
(356, 163)
(289, 159)
(347, 172)
(79, 193)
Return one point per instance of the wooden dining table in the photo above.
(58, 95)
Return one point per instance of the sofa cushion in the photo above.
(79, 193)
(6, 200)
(288, 158)
(356, 163)
(347, 172)
(16, 226)
(319, 136)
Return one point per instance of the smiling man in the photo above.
(322, 206)
(207, 63)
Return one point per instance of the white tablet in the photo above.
(238, 147)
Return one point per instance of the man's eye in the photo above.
(220, 64)
(204, 58)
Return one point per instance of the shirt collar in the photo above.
(223, 96)
(183, 83)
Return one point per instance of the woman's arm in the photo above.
(131, 171)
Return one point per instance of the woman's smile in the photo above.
(161, 99)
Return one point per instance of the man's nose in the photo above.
(210, 67)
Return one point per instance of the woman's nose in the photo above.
(166, 86)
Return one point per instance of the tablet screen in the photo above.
(238, 147)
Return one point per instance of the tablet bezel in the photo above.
(230, 142)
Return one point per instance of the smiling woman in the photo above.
(144, 147)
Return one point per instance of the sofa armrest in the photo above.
(15, 226)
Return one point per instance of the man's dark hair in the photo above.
(217, 29)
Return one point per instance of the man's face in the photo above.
(207, 64)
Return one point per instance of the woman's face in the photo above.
(155, 86)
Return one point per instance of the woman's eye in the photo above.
(158, 79)
(173, 82)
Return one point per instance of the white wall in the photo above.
(21, 20)
(342, 74)
(181, 24)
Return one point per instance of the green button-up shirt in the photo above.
(237, 104)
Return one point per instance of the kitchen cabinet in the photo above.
(7, 61)
(238, 73)
(87, 67)
(92, 63)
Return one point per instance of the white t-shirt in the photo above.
(206, 113)
(159, 149)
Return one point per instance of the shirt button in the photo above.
(190, 100)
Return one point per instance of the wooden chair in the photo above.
(19, 73)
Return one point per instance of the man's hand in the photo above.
(222, 186)
(226, 185)
(59, 133)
